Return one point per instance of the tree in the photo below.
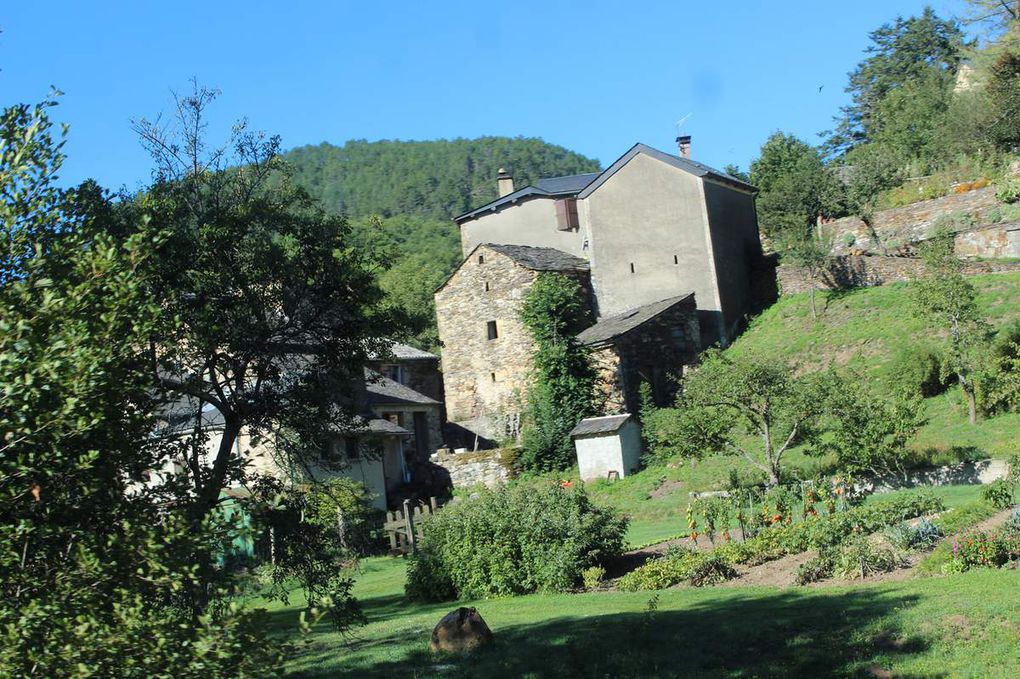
(947, 301)
(900, 53)
(731, 398)
(563, 383)
(998, 16)
(795, 188)
(813, 255)
(92, 560)
(267, 311)
(1003, 89)
(868, 432)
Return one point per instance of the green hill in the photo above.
(401, 195)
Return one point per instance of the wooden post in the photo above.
(409, 524)
(272, 545)
(392, 516)
(341, 529)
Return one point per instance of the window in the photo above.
(481, 259)
(676, 259)
(491, 329)
(393, 371)
(486, 286)
(493, 376)
(566, 214)
(632, 267)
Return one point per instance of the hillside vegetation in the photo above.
(401, 196)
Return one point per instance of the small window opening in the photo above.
(493, 376)
(491, 329)
(632, 267)
(486, 286)
(676, 259)
(481, 259)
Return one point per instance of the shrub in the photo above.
(1012, 525)
(515, 540)
(1008, 191)
(677, 568)
(593, 577)
(818, 568)
(903, 536)
(860, 558)
(998, 493)
(918, 370)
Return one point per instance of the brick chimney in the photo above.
(683, 145)
(504, 183)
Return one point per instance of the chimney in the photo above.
(683, 144)
(504, 182)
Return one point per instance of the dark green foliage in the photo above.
(307, 544)
(699, 569)
(901, 53)
(1003, 126)
(922, 535)
(438, 179)
(917, 371)
(563, 382)
(516, 540)
(98, 571)
(998, 493)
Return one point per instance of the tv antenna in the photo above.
(681, 122)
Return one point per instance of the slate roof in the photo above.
(582, 185)
(599, 425)
(404, 352)
(540, 259)
(611, 327)
(382, 390)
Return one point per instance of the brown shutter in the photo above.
(562, 215)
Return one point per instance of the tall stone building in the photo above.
(665, 249)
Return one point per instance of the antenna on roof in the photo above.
(681, 122)
(683, 141)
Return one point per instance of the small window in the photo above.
(481, 259)
(491, 329)
(632, 267)
(493, 376)
(676, 259)
(486, 286)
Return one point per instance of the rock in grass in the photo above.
(460, 631)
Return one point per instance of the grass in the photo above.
(962, 625)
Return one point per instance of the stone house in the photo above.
(666, 250)
(651, 226)
(386, 446)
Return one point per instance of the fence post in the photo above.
(272, 545)
(409, 524)
(341, 529)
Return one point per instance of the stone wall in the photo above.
(656, 352)
(490, 468)
(964, 473)
(856, 271)
(907, 224)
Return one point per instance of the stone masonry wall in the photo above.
(865, 271)
(481, 376)
(487, 468)
(907, 224)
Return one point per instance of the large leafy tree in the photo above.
(750, 406)
(92, 561)
(900, 53)
(1003, 90)
(947, 301)
(267, 310)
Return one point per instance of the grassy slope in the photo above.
(961, 625)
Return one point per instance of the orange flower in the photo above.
(566, 484)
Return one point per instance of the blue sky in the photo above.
(592, 76)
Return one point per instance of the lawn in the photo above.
(962, 625)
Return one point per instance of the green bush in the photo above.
(860, 558)
(676, 568)
(1008, 191)
(918, 370)
(923, 535)
(983, 550)
(998, 493)
(515, 540)
(592, 577)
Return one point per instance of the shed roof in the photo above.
(405, 352)
(611, 327)
(609, 424)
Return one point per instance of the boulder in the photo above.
(460, 631)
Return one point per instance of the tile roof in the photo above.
(540, 259)
(404, 352)
(382, 390)
(611, 327)
(599, 425)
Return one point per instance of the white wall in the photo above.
(600, 454)
(529, 222)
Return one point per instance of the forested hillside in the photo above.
(402, 195)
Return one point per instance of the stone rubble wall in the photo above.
(859, 271)
(964, 473)
(908, 224)
(489, 468)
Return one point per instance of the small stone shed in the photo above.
(607, 444)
